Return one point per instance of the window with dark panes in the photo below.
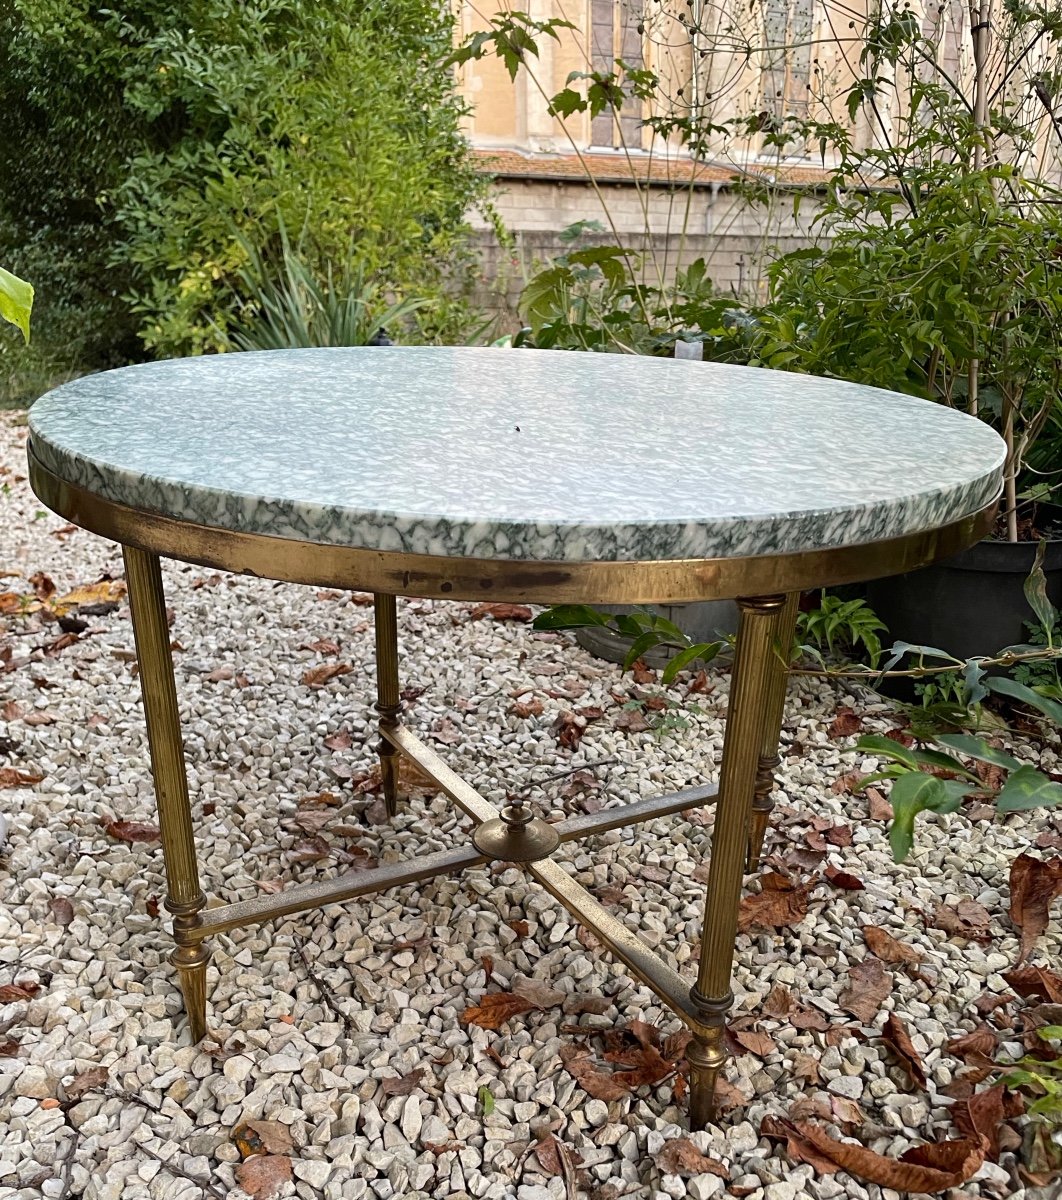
(615, 32)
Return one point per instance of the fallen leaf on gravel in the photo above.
(569, 730)
(41, 717)
(317, 677)
(845, 723)
(889, 949)
(18, 991)
(107, 591)
(1034, 884)
(553, 1156)
(540, 994)
(340, 740)
(309, 850)
(12, 777)
(868, 986)
(261, 1137)
(322, 646)
(501, 612)
(978, 1045)
(643, 673)
(495, 1008)
(844, 879)
(520, 928)
(846, 1113)
(967, 919)
(8, 1047)
(806, 1067)
(132, 831)
(595, 1081)
(809, 1019)
(62, 910)
(632, 720)
(681, 1157)
(898, 1040)
(86, 1081)
(410, 779)
(10, 711)
(527, 708)
(1036, 982)
(402, 1085)
(880, 808)
(699, 684)
(779, 1002)
(576, 1005)
(43, 587)
(264, 1175)
(779, 905)
(934, 1167)
(760, 1044)
(981, 1115)
(443, 1147)
(846, 784)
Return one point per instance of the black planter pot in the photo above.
(972, 604)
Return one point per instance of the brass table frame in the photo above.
(767, 589)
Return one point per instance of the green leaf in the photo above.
(647, 641)
(569, 616)
(16, 301)
(912, 794)
(1028, 788)
(706, 651)
(974, 747)
(933, 758)
(885, 747)
(566, 102)
(1005, 686)
(1036, 593)
(486, 1101)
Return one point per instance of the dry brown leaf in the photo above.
(261, 1137)
(86, 1081)
(779, 1002)
(8, 1047)
(1034, 884)
(410, 779)
(62, 910)
(1036, 983)
(809, 1019)
(807, 1067)
(10, 711)
(931, 1168)
(12, 777)
(402, 1085)
(309, 850)
(760, 1044)
(847, 1113)
(880, 808)
(595, 1081)
(107, 591)
(898, 1040)
(578, 1004)
(132, 831)
(981, 1115)
(868, 986)
(264, 1175)
(527, 708)
(889, 949)
(501, 612)
(540, 994)
(967, 919)
(680, 1156)
(317, 677)
(569, 730)
(340, 740)
(779, 905)
(41, 717)
(553, 1156)
(494, 1009)
(845, 723)
(844, 879)
(976, 1046)
(632, 720)
(322, 646)
(642, 672)
(520, 928)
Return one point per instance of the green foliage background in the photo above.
(140, 141)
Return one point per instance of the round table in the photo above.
(550, 477)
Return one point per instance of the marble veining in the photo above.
(541, 455)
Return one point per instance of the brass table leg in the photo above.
(773, 712)
(184, 896)
(711, 996)
(388, 700)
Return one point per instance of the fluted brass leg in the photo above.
(711, 996)
(388, 701)
(773, 712)
(184, 896)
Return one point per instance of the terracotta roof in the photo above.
(617, 168)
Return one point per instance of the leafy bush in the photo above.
(141, 145)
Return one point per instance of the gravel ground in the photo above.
(305, 1039)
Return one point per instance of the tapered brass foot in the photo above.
(191, 963)
(706, 1059)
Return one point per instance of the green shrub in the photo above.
(141, 146)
